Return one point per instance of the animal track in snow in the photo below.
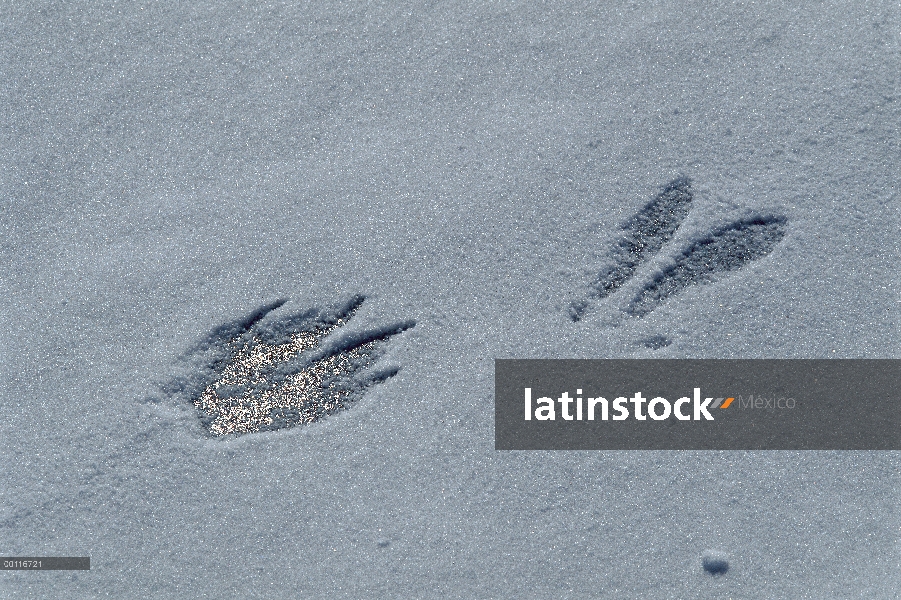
(656, 342)
(270, 372)
(646, 234)
(725, 249)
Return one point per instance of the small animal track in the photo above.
(725, 249)
(269, 372)
(715, 563)
(656, 342)
(646, 234)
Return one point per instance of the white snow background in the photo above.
(167, 167)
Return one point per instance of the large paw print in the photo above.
(269, 372)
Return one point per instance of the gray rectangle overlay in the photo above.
(777, 404)
(45, 563)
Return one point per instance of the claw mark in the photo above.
(237, 328)
(726, 249)
(288, 371)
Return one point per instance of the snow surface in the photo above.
(169, 167)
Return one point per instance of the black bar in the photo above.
(45, 563)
